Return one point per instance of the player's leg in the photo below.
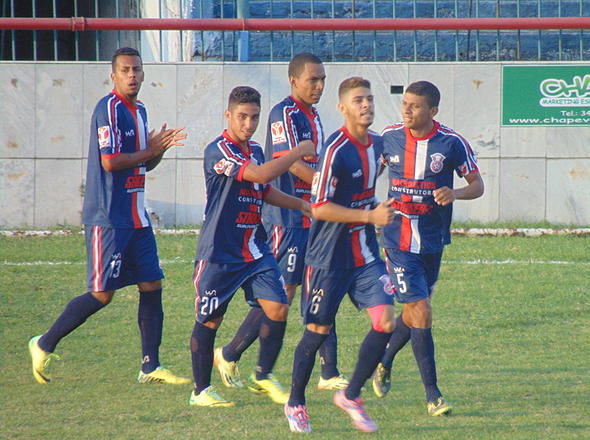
(102, 282)
(331, 378)
(214, 288)
(323, 291)
(266, 287)
(371, 291)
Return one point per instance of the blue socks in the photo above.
(329, 355)
(399, 338)
(271, 340)
(423, 346)
(245, 336)
(150, 319)
(303, 362)
(202, 341)
(73, 316)
(369, 356)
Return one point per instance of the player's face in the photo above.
(308, 87)
(417, 113)
(128, 75)
(358, 107)
(242, 121)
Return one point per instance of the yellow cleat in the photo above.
(270, 386)
(439, 407)
(161, 375)
(229, 371)
(40, 360)
(382, 380)
(334, 383)
(208, 397)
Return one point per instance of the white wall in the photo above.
(531, 173)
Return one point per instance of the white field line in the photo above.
(494, 232)
(187, 261)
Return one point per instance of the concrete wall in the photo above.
(531, 173)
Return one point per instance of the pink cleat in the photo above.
(356, 410)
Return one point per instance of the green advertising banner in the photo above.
(546, 95)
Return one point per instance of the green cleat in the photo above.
(229, 371)
(439, 407)
(270, 386)
(334, 383)
(208, 397)
(161, 375)
(40, 360)
(381, 380)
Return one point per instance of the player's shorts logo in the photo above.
(277, 131)
(387, 284)
(104, 136)
(437, 162)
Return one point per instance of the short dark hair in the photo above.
(352, 83)
(243, 95)
(129, 51)
(298, 62)
(426, 89)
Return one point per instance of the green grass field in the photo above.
(511, 332)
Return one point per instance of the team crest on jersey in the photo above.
(224, 167)
(437, 162)
(104, 136)
(332, 188)
(277, 130)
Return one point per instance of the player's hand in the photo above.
(383, 214)
(306, 149)
(165, 139)
(444, 196)
(305, 208)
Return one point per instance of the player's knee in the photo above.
(104, 297)
(277, 312)
(382, 318)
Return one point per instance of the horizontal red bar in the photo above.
(301, 24)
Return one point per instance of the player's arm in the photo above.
(302, 170)
(158, 144)
(381, 215)
(278, 198)
(272, 169)
(474, 189)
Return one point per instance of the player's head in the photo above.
(127, 72)
(307, 78)
(420, 105)
(356, 101)
(243, 113)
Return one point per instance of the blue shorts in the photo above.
(288, 246)
(323, 290)
(216, 283)
(120, 257)
(413, 275)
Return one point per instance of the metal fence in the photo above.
(364, 46)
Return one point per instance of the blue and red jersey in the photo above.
(289, 123)
(116, 199)
(347, 174)
(418, 166)
(232, 231)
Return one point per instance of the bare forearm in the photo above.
(473, 190)
(126, 160)
(302, 170)
(272, 169)
(278, 198)
(332, 212)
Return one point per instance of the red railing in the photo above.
(80, 24)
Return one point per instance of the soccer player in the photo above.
(343, 255)
(233, 252)
(293, 120)
(120, 243)
(421, 155)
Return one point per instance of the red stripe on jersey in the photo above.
(97, 258)
(290, 129)
(311, 113)
(322, 193)
(113, 123)
(357, 253)
(245, 248)
(470, 154)
(134, 213)
(241, 172)
(409, 172)
(279, 153)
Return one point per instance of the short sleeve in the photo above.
(105, 129)
(221, 159)
(283, 133)
(464, 158)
